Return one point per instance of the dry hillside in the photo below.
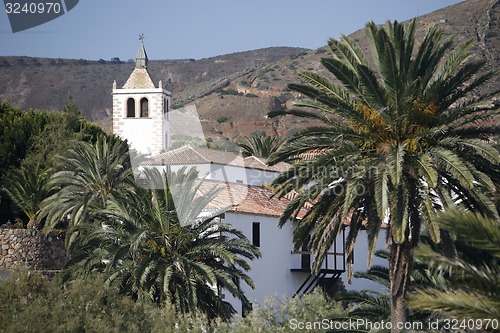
(233, 93)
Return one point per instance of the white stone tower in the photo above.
(141, 111)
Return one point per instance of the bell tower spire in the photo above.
(141, 110)
(141, 60)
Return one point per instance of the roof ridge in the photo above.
(198, 153)
(258, 160)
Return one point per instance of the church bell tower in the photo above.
(141, 110)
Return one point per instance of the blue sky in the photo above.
(175, 29)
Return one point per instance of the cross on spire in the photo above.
(141, 60)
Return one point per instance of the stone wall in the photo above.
(31, 249)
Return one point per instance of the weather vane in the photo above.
(141, 38)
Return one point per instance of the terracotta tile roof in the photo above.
(241, 198)
(253, 162)
(188, 155)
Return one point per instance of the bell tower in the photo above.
(141, 110)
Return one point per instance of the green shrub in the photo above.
(29, 302)
(231, 91)
(280, 315)
(221, 120)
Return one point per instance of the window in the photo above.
(165, 105)
(130, 108)
(305, 260)
(256, 233)
(144, 107)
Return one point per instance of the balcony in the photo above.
(332, 267)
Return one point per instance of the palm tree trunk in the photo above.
(399, 268)
(32, 224)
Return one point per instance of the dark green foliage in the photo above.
(398, 141)
(230, 91)
(27, 187)
(145, 243)
(35, 138)
(31, 303)
(38, 136)
(472, 288)
(17, 130)
(165, 253)
(84, 178)
(261, 146)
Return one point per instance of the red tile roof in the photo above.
(242, 198)
(188, 155)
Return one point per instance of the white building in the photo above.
(251, 207)
(141, 110)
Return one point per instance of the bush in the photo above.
(221, 120)
(29, 302)
(280, 315)
(231, 91)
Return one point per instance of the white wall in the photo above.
(271, 273)
(361, 261)
(230, 173)
(148, 135)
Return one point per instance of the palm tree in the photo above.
(144, 246)
(27, 186)
(473, 278)
(397, 143)
(260, 146)
(375, 305)
(85, 177)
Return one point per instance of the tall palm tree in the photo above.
(398, 140)
(473, 281)
(374, 306)
(145, 246)
(85, 177)
(260, 146)
(27, 186)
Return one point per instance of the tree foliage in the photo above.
(84, 178)
(260, 146)
(83, 305)
(27, 188)
(398, 141)
(141, 245)
(36, 137)
(472, 289)
(151, 243)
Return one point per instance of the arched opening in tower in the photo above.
(130, 108)
(144, 107)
